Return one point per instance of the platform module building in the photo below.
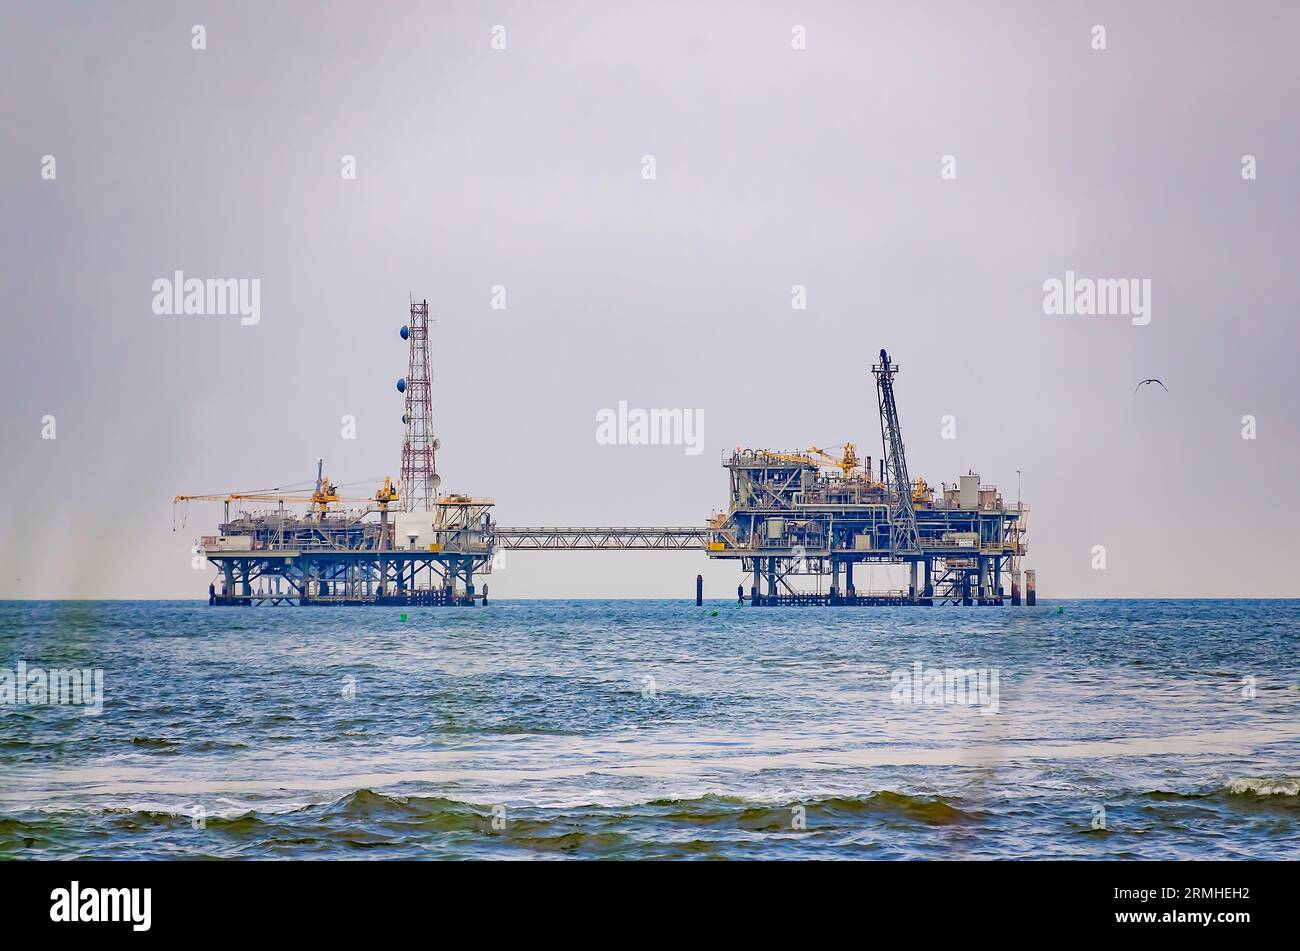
(351, 557)
(800, 522)
(404, 545)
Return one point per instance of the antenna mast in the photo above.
(419, 478)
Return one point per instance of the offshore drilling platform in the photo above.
(797, 514)
(798, 523)
(405, 545)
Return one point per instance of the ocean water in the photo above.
(656, 729)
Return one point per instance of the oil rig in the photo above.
(797, 521)
(403, 545)
(810, 514)
(800, 521)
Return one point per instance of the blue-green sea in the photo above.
(654, 729)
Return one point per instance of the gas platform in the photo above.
(402, 545)
(800, 515)
(798, 522)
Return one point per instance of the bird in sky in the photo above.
(1152, 380)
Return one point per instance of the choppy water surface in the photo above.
(639, 729)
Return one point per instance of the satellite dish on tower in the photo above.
(437, 443)
(435, 480)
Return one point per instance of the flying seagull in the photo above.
(1152, 380)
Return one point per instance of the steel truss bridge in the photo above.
(639, 538)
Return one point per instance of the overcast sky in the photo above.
(774, 166)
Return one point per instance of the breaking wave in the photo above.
(1286, 787)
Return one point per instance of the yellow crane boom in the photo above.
(846, 463)
(817, 457)
(325, 494)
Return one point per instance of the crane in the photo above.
(815, 457)
(387, 493)
(846, 463)
(224, 497)
(324, 494)
(893, 464)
